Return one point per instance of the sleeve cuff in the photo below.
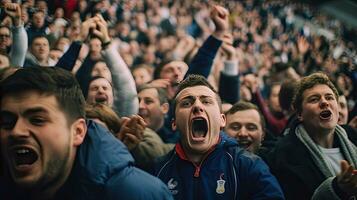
(231, 67)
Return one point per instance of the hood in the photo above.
(100, 148)
(227, 141)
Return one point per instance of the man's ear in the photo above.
(299, 117)
(79, 130)
(173, 125)
(223, 120)
(165, 108)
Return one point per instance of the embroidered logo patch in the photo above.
(220, 185)
(172, 184)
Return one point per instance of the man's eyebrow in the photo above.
(205, 96)
(35, 110)
(188, 97)
(313, 95)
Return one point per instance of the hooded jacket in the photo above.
(227, 172)
(103, 169)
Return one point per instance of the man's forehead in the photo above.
(174, 64)
(100, 82)
(195, 91)
(320, 89)
(4, 30)
(149, 92)
(244, 114)
(34, 99)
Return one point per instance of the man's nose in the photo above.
(20, 129)
(324, 103)
(243, 132)
(142, 104)
(101, 90)
(197, 107)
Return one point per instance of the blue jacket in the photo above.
(103, 169)
(228, 172)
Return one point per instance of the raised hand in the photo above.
(101, 29)
(303, 45)
(132, 131)
(86, 26)
(14, 11)
(219, 16)
(347, 179)
(251, 81)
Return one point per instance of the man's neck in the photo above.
(322, 137)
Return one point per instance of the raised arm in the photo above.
(68, 60)
(19, 35)
(202, 62)
(126, 102)
(229, 81)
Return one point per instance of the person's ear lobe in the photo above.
(223, 120)
(173, 125)
(299, 117)
(79, 130)
(165, 108)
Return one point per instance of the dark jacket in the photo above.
(228, 172)
(103, 169)
(293, 166)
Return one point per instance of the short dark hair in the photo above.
(286, 94)
(159, 68)
(309, 82)
(105, 114)
(39, 36)
(192, 81)
(244, 105)
(49, 81)
(163, 98)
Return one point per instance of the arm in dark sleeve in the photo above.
(68, 60)
(202, 62)
(229, 88)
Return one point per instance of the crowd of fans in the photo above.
(130, 56)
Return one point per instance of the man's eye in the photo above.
(37, 121)
(149, 102)
(7, 125)
(8, 122)
(186, 103)
(313, 100)
(252, 127)
(330, 98)
(206, 101)
(235, 127)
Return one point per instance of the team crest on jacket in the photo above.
(172, 184)
(220, 185)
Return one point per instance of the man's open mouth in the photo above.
(199, 127)
(24, 156)
(244, 143)
(101, 99)
(325, 115)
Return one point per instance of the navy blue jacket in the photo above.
(228, 172)
(103, 169)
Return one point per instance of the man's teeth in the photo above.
(22, 151)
